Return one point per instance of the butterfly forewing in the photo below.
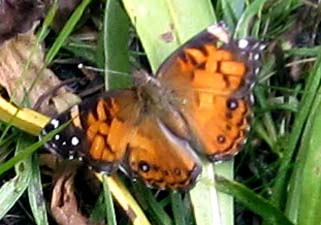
(211, 76)
(98, 131)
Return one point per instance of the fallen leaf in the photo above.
(25, 77)
(64, 205)
(18, 16)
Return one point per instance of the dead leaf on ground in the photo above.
(24, 75)
(18, 16)
(64, 205)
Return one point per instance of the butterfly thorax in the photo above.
(158, 100)
(152, 94)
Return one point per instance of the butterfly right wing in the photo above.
(211, 77)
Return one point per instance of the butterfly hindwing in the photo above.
(160, 158)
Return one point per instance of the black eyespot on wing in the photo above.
(232, 104)
(144, 166)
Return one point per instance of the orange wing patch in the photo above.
(160, 159)
(218, 118)
(214, 84)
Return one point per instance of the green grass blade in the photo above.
(232, 10)
(178, 208)
(11, 191)
(109, 203)
(36, 197)
(44, 30)
(243, 26)
(66, 31)
(115, 39)
(280, 186)
(253, 201)
(165, 25)
(310, 196)
(28, 150)
(205, 199)
(304, 180)
(148, 202)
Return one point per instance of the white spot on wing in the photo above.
(74, 141)
(262, 47)
(55, 123)
(243, 43)
(57, 137)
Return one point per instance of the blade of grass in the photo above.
(253, 201)
(28, 151)
(66, 31)
(178, 208)
(11, 191)
(35, 193)
(205, 199)
(126, 201)
(232, 10)
(243, 26)
(26, 119)
(226, 202)
(310, 196)
(280, 185)
(155, 19)
(110, 209)
(145, 197)
(303, 170)
(115, 39)
(44, 30)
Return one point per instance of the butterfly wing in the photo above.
(160, 158)
(114, 130)
(98, 130)
(212, 76)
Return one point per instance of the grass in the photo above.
(277, 174)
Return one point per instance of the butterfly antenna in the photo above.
(95, 69)
(52, 92)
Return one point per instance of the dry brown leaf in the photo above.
(64, 203)
(18, 16)
(23, 72)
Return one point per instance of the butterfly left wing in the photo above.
(211, 76)
(98, 130)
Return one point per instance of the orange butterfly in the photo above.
(199, 102)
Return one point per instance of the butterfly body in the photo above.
(197, 104)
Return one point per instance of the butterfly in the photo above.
(198, 104)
